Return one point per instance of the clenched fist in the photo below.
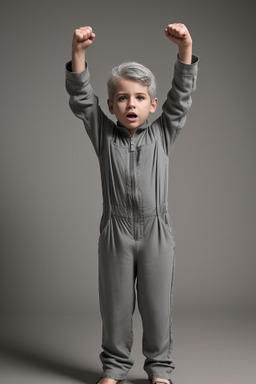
(83, 37)
(179, 34)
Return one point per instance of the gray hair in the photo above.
(134, 71)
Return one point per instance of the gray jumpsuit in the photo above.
(136, 243)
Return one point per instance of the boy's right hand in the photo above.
(83, 37)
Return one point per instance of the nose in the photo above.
(131, 103)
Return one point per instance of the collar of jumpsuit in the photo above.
(132, 138)
(141, 127)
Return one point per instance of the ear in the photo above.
(111, 107)
(153, 105)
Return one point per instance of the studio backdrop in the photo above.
(50, 192)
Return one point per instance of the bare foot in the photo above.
(159, 379)
(106, 380)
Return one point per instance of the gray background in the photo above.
(50, 184)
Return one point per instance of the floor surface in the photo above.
(208, 349)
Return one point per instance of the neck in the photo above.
(131, 131)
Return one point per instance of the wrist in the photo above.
(79, 53)
(78, 61)
(185, 53)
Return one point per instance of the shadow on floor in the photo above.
(49, 363)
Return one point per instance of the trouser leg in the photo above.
(117, 299)
(154, 285)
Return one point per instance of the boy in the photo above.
(136, 244)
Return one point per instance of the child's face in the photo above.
(131, 104)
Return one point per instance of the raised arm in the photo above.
(83, 102)
(179, 98)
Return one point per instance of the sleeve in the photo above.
(85, 105)
(178, 102)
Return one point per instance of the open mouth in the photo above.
(131, 116)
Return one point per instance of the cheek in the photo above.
(116, 110)
(120, 108)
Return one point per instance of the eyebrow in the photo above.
(126, 94)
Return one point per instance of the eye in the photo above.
(140, 98)
(121, 98)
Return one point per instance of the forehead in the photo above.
(130, 86)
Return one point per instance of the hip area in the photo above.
(144, 223)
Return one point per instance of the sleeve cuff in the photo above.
(187, 69)
(74, 77)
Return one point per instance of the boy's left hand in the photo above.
(179, 34)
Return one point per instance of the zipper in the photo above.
(133, 188)
(132, 145)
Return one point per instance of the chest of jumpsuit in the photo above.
(136, 243)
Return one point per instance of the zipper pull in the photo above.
(132, 145)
